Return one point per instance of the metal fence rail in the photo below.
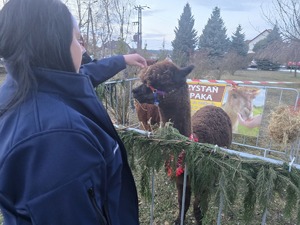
(265, 146)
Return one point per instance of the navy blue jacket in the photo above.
(61, 160)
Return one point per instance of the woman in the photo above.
(61, 160)
(86, 58)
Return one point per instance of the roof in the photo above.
(267, 30)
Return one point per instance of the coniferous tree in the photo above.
(236, 58)
(185, 40)
(214, 39)
(269, 51)
(274, 36)
(238, 43)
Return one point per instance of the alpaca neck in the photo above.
(181, 122)
(178, 111)
(232, 115)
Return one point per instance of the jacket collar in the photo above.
(73, 85)
(67, 84)
(77, 91)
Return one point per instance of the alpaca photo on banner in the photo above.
(244, 105)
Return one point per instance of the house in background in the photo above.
(258, 38)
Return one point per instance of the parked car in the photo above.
(293, 65)
(253, 64)
(265, 64)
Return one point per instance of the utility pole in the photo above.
(138, 36)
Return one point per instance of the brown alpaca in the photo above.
(148, 115)
(165, 84)
(173, 105)
(212, 125)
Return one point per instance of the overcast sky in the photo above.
(161, 18)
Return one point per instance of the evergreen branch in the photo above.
(265, 183)
(207, 166)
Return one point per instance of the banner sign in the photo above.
(202, 94)
(244, 105)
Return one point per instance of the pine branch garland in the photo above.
(208, 165)
(291, 202)
(249, 200)
(265, 182)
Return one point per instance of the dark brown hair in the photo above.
(34, 33)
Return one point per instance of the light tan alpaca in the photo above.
(240, 104)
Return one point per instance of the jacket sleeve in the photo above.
(50, 178)
(103, 69)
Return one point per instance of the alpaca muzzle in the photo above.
(156, 93)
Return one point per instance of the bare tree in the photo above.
(276, 51)
(101, 22)
(233, 61)
(286, 15)
(292, 54)
(82, 12)
(117, 16)
(207, 67)
(281, 53)
(124, 12)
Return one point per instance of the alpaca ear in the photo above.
(168, 58)
(186, 70)
(182, 73)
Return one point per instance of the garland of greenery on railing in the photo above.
(208, 167)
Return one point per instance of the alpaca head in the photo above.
(241, 99)
(159, 80)
(239, 104)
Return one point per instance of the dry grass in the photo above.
(285, 125)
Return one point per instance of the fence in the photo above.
(275, 96)
(116, 96)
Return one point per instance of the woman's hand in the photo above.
(135, 60)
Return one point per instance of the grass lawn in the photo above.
(259, 75)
